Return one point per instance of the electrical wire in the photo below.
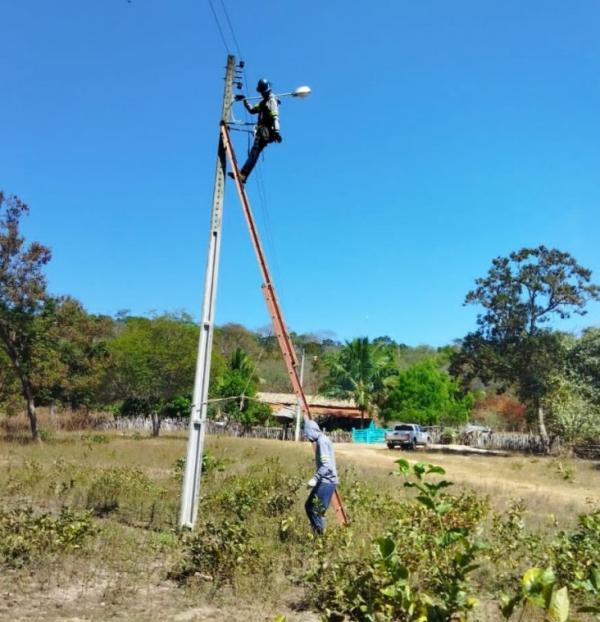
(235, 41)
(268, 229)
(212, 8)
(260, 184)
(237, 47)
(251, 375)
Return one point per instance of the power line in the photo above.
(212, 8)
(237, 47)
(259, 180)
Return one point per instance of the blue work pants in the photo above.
(317, 503)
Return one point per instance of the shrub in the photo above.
(216, 552)
(448, 436)
(576, 556)
(210, 463)
(25, 535)
(250, 514)
(419, 570)
(131, 496)
(95, 439)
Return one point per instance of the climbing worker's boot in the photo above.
(242, 176)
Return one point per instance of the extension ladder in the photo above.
(283, 336)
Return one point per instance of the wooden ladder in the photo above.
(283, 336)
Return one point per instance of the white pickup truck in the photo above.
(406, 435)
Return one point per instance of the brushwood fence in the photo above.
(505, 441)
(144, 424)
(588, 451)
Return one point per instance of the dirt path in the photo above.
(548, 485)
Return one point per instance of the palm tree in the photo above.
(240, 362)
(360, 371)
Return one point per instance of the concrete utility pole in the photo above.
(193, 464)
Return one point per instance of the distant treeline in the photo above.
(514, 371)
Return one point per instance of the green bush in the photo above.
(210, 464)
(419, 570)
(95, 439)
(131, 497)
(250, 514)
(575, 556)
(216, 552)
(24, 535)
(449, 436)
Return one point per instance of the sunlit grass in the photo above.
(132, 485)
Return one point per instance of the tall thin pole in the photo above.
(193, 466)
(298, 406)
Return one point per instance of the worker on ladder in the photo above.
(267, 128)
(324, 481)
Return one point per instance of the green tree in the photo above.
(240, 382)
(10, 392)
(152, 361)
(359, 371)
(571, 414)
(584, 364)
(23, 297)
(426, 395)
(229, 337)
(81, 354)
(574, 402)
(513, 344)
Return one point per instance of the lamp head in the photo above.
(301, 91)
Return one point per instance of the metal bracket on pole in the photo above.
(283, 336)
(190, 494)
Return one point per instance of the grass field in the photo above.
(117, 554)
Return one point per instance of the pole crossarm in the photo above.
(283, 337)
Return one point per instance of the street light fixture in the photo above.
(301, 92)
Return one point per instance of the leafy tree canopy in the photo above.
(426, 395)
(152, 362)
(240, 382)
(360, 371)
(513, 345)
(22, 300)
(523, 291)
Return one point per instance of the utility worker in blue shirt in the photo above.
(324, 481)
(267, 127)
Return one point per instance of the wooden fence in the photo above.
(588, 451)
(505, 441)
(144, 424)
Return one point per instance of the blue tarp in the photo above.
(372, 434)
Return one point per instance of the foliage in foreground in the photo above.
(249, 517)
(418, 570)
(421, 551)
(122, 493)
(25, 534)
(422, 559)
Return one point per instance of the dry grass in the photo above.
(122, 572)
(554, 489)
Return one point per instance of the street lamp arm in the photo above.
(301, 92)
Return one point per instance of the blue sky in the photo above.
(438, 136)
